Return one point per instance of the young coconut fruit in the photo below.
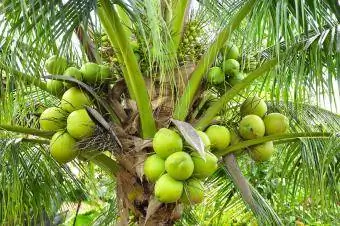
(215, 76)
(204, 167)
(251, 127)
(230, 52)
(231, 67)
(204, 137)
(276, 123)
(167, 189)
(63, 147)
(154, 167)
(253, 106)
(74, 99)
(74, 73)
(53, 119)
(104, 72)
(219, 137)
(166, 142)
(79, 124)
(193, 191)
(91, 72)
(56, 65)
(236, 79)
(179, 165)
(262, 152)
(55, 87)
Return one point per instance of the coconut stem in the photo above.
(25, 130)
(183, 106)
(132, 75)
(288, 136)
(27, 78)
(177, 22)
(231, 93)
(103, 161)
(36, 141)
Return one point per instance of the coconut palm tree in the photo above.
(159, 53)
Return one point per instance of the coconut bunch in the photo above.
(256, 123)
(90, 73)
(227, 73)
(109, 55)
(70, 120)
(178, 170)
(190, 47)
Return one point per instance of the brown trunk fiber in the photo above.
(135, 193)
(134, 197)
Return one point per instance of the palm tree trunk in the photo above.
(135, 196)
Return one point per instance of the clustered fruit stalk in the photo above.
(252, 142)
(25, 130)
(183, 106)
(180, 8)
(218, 105)
(132, 74)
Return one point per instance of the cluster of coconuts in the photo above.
(90, 73)
(190, 48)
(256, 123)
(177, 171)
(229, 70)
(70, 120)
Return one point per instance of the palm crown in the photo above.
(158, 55)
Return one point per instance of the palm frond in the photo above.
(27, 173)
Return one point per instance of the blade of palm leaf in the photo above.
(88, 45)
(24, 165)
(31, 79)
(25, 130)
(265, 211)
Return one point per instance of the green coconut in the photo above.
(253, 106)
(91, 72)
(179, 165)
(204, 167)
(154, 167)
(230, 52)
(262, 152)
(167, 189)
(55, 87)
(231, 67)
(215, 76)
(219, 137)
(80, 125)
(193, 191)
(56, 65)
(53, 119)
(74, 99)
(251, 127)
(166, 142)
(276, 123)
(63, 147)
